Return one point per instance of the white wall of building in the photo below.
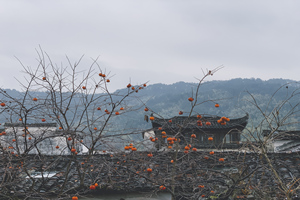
(147, 145)
(43, 140)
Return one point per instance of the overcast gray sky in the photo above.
(162, 41)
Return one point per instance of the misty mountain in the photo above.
(235, 98)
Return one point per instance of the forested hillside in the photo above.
(233, 97)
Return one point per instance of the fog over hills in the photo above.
(232, 95)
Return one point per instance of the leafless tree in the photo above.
(61, 114)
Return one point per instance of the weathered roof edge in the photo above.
(205, 117)
(192, 122)
(30, 125)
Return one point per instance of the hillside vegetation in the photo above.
(232, 95)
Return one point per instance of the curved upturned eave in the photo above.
(178, 121)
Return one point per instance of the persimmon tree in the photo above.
(62, 113)
(189, 173)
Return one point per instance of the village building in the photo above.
(38, 138)
(210, 131)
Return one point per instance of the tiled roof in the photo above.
(30, 125)
(183, 121)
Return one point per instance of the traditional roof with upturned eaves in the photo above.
(192, 122)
